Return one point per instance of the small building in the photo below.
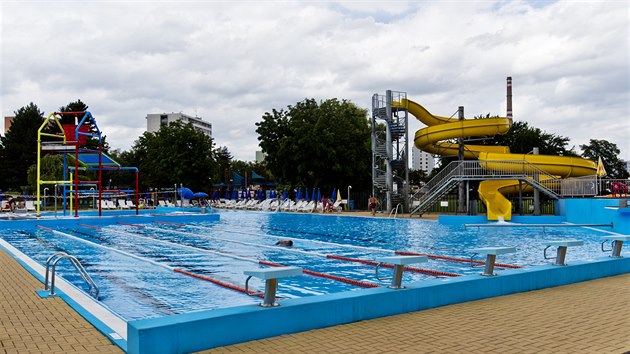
(157, 120)
(7, 123)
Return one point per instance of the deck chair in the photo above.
(298, 205)
(122, 204)
(337, 206)
(286, 206)
(308, 208)
(110, 204)
(273, 205)
(254, 205)
(29, 205)
(264, 205)
(130, 204)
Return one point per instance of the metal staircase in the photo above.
(458, 171)
(390, 166)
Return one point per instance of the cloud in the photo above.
(229, 62)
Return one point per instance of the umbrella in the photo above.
(215, 195)
(319, 195)
(234, 194)
(186, 193)
(200, 195)
(307, 197)
(333, 194)
(338, 195)
(284, 194)
(298, 195)
(260, 194)
(314, 195)
(227, 194)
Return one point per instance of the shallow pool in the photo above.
(139, 267)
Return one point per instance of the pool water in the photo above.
(134, 266)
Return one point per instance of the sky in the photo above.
(229, 62)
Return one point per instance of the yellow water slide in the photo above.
(431, 139)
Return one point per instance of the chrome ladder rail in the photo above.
(395, 210)
(51, 264)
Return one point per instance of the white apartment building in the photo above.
(157, 120)
(421, 160)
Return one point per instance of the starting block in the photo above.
(491, 256)
(399, 263)
(617, 243)
(270, 276)
(562, 249)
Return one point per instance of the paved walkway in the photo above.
(30, 324)
(589, 317)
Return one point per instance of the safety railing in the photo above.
(51, 265)
(457, 171)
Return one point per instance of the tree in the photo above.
(19, 147)
(609, 152)
(224, 159)
(324, 144)
(177, 153)
(521, 139)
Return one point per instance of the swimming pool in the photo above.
(151, 267)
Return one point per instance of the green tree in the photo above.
(324, 144)
(417, 177)
(177, 153)
(19, 147)
(224, 159)
(609, 152)
(521, 139)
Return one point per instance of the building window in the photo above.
(163, 120)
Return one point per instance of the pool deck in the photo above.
(588, 317)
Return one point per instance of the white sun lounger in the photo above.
(308, 208)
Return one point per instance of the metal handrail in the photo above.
(51, 264)
(395, 210)
(487, 169)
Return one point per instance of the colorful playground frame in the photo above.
(70, 141)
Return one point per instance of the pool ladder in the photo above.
(395, 210)
(51, 263)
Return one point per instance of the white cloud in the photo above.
(230, 62)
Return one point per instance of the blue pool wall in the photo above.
(213, 328)
(576, 211)
(596, 211)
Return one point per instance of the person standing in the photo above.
(372, 204)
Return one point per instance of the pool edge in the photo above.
(213, 328)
